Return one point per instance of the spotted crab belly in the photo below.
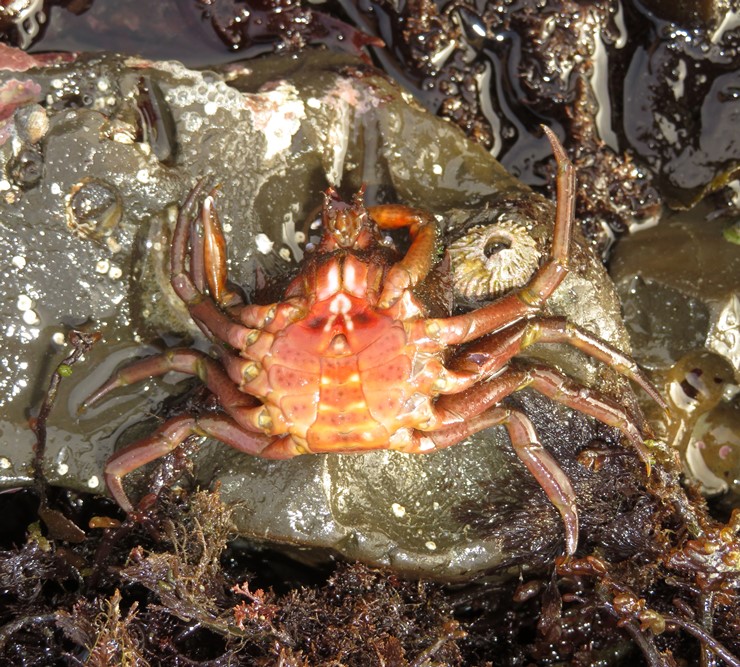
(293, 380)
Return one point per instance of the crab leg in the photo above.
(244, 409)
(167, 438)
(468, 404)
(197, 260)
(453, 408)
(563, 390)
(525, 443)
(529, 299)
(201, 307)
(419, 259)
(215, 257)
(489, 354)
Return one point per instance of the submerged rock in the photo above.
(679, 283)
(85, 242)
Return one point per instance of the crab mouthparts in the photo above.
(343, 221)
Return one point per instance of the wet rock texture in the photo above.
(122, 141)
(682, 307)
(645, 92)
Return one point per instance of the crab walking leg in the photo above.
(201, 307)
(529, 299)
(167, 438)
(243, 408)
(453, 408)
(419, 258)
(468, 404)
(562, 389)
(197, 260)
(197, 271)
(204, 311)
(540, 463)
(565, 190)
(180, 236)
(489, 354)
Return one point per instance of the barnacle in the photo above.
(93, 208)
(492, 259)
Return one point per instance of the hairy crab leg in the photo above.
(246, 410)
(529, 299)
(419, 259)
(167, 438)
(527, 446)
(489, 354)
(562, 389)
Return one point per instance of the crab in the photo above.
(349, 360)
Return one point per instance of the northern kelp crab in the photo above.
(349, 361)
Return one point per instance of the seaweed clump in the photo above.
(171, 588)
(157, 592)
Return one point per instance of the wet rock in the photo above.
(87, 244)
(681, 106)
(679, 285)
(710, 12)
(687, 265)
(615, 76)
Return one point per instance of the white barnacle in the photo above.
(492, 259)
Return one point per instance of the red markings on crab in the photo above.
(296, 352)
(373, 436)
(386, 404)
(388, 341)
(300, 410)
(344, 325)
(289, 380)
(392, 373)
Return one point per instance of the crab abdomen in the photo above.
(344, 378)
